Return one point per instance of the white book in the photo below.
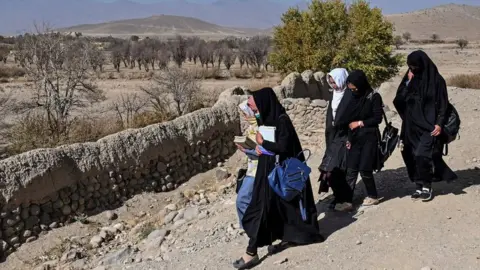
(268, 133)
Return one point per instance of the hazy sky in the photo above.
(388, 6)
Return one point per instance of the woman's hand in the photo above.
(259, 138)
(355, 125)
(349, 145)
(258, 151)
(410, 75)
(240, 147)
(436, 131)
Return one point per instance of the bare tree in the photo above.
(116, 59)
(229, 58)
(62, 78)
(179, 50)
(163, 58)
(4, 52)
(462, 43)
(257, 48)
(97, 57)
(128, 107)
(175, 89)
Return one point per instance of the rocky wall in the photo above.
(47, 188)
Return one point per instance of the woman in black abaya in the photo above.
(365, 115)
(268, 217)
(422, 101)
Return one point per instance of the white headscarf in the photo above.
(340, 76)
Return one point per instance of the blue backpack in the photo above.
(288, 179)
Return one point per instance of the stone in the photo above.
(117, 257)
(221, 174)
(426, 268)
(157, 234)
(66, 210)
(179, 223)
(71, 255)
(171, 207)
(119, 227)
(14, 240)
(25, 213)
(3, 246)
(111, 215)
(359, 242)
(31, 239)
(191, 213)
(34, 210)
(169, 217)
(96, 241)
(319, 103)
(53, 225)
(31, 222)
(27, 233)
(161, 167)
(58, 204)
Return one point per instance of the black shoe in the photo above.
(274, 249)
(416, 195)
(426, 195)
(241, 264)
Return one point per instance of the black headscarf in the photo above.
(360, 80)
(426, 76)
(268, 106)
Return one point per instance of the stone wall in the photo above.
(308, 117)
(47, 188)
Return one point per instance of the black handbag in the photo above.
(240, 176)
(387, 143)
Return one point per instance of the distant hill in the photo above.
(161, 25)
(17, 16)
(448, 21)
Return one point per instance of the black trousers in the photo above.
(341, 190)
(367, 178)
(252, 247)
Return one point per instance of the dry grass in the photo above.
(471, 81)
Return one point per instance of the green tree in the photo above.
(330, 34)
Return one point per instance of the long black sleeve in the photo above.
(399, 101)
(282, 138)
(377, 107)
(441, 103)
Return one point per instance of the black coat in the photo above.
(269, 217)
(336, 135)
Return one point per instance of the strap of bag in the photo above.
(303, 211)
(309, 154)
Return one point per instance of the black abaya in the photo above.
(334, 160)
(422, 104)
(268, 217)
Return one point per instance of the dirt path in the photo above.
(397, 234)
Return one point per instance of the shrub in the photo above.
(471, 81)
(11, 72)
(462, 43)
(435, 37)
(242, 74)
(398, 42)
(328, 35)
(407, 36)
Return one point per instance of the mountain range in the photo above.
(18, 16)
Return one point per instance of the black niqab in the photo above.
(268, 106)
(360, 80)
(426, 76)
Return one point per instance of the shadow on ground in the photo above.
(391, 184)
